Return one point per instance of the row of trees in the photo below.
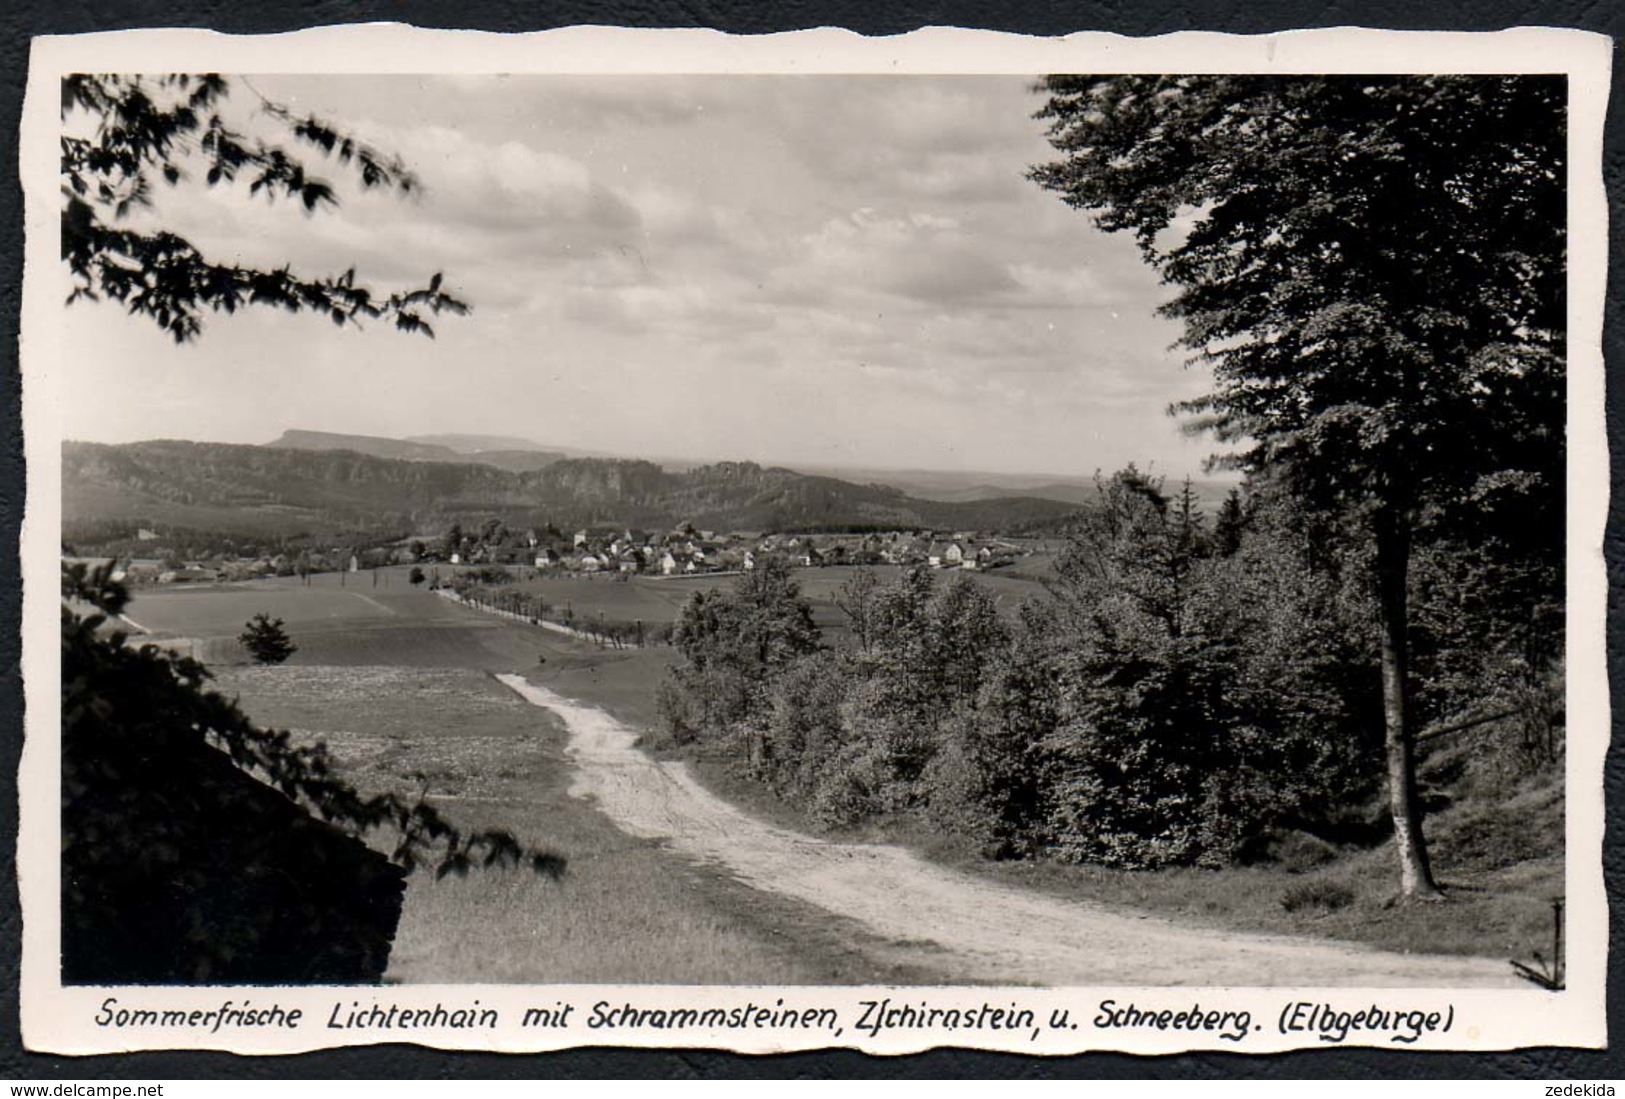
(482, 587)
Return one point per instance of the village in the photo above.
(603, 550)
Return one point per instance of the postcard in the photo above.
(661, 539)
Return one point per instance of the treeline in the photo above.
(482, 587)
(1189, 690)
(121, 538)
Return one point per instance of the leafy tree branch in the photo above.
(138, 134)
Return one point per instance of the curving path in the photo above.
(985, 932)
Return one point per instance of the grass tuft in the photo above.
(1317, 896)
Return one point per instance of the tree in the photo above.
(1373, 270)
(732, 644)
(855, 599)
(773, 624)
(1230, 524)
(123, 134)
(266, 640)
(1135, 542)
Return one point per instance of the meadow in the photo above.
(822, 587)
(659, 600)
(396, 682)
(627, 911)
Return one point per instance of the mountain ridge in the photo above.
(463, 443)
(233, 486)
(520, 455)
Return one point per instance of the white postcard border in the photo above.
(64, 1019)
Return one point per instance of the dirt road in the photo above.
(982, 931)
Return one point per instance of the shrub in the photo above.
(1299, 852)
(1317, 896)
(852, 789)
(679, 721)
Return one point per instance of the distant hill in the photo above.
(375, 445)
(514, 461)
(1065, 493)
(474, 444)
(288, 490)
(520, 457)
(959, 487)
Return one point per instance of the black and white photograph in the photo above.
(1034, 555)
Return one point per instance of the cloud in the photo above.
(730, 266)
(598, 102)
(958, 140)
(924, 258)
(513, 186)
(1081, 286)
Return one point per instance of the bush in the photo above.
(1317, 896)
(802, 728)
(679, 717)
(852, 789)
(1300, 852)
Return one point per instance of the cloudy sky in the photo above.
(814, 270)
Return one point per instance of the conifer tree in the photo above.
(266, 640)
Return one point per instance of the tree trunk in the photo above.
(1393, 538)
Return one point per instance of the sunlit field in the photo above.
(625, 912)
(659, 600)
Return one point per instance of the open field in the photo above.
(658, 600)
(627, 911)
(654, 601)
(821, 587)
(217, 610)
(395, 624)
(355, 622)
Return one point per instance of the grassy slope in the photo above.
(627, 911)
